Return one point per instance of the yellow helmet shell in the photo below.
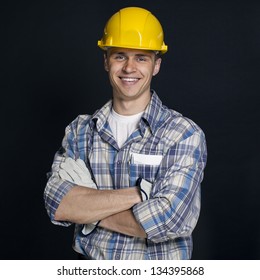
(133, 28)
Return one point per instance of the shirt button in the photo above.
(117, 256)
(119, 162)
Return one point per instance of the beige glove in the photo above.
(76, 171)
(145, 188)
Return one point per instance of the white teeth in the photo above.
(129, 79)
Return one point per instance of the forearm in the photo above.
(123, 222)
(84, 205)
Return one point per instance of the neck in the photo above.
(130, 107)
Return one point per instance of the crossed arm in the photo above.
(85, 205)
(116, 209)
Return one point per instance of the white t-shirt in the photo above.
(123, 126)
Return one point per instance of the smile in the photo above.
(129, 80)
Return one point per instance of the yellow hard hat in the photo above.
(134, 28)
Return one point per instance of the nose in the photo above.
(129, 65)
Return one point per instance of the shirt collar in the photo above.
(151, 116)
(99, 118)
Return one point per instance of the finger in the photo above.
(81, 164)
(84, 172)
(65, 176)
(72, 164)
(78, 171)
(72, 168)
(70, 174)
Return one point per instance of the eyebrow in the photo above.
(137, 54)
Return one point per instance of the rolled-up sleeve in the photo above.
(56, 188)
(174, 207)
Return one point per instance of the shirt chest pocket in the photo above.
(145, 171)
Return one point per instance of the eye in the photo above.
(119, 57)
(141, 58)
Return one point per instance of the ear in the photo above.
(157, 66)
(105, 63)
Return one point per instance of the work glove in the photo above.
(76, 171)
(145, 188)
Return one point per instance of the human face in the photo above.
(130, 72)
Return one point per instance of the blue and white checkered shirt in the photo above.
(172, 211)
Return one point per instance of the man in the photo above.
(129, 176)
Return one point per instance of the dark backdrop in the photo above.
(52, 70)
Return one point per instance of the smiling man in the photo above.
(130, 72)
(129, 176)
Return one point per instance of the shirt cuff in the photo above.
(55, 201)
(148, 215)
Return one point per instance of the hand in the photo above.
(78, 173)
(145, 188)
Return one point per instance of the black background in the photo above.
(52, 70)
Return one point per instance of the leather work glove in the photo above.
(76, 171)
(145, 188)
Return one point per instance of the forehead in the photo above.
(130, 52)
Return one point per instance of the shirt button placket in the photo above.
(118, 168)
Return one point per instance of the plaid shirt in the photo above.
(172, 211)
